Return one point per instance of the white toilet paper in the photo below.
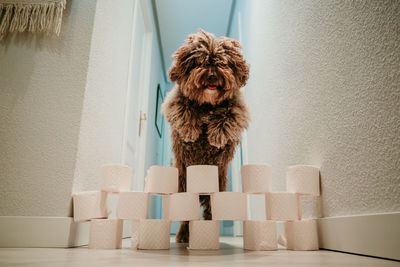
(115, 178)
(311, 207)
(204, 235)
(154, 234)
(229, 206)
(301, 235)
(259, 235)
(89, 205)
(105, 233)
(133, 205)
(202, 179)
(162, 180)
(303, 179)
(256, 178)
(184, 207)
(283, 206)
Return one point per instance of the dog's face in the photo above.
(209, 70)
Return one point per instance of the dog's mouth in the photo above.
(211, 87)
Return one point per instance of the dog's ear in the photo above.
(180, 64)
(242, 71)
(236, 59)
(173, 73)
(183, 58)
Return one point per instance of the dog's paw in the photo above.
(217, 138)
(190, 133)
(220, 135)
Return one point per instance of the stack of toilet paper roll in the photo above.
(304, 181)
(106, 233)
(281, 206)
(261, 234)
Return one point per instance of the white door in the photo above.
(137, 96)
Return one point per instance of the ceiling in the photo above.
(178, 18)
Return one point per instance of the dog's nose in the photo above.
(212, 78)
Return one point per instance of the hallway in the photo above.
(322, 90)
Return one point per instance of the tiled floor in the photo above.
(230, 254)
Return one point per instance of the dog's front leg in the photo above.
(182, 117)
(227, 125)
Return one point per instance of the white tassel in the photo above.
(33, 16)
(5, 21)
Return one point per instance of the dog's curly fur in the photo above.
(206, 109)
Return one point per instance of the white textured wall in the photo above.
(103, 115)
(62, 104)
(42, 82)
(324, 89)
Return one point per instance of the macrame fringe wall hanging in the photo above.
(31, 15)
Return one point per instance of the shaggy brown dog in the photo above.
(206, 109)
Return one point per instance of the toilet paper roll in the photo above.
(184, 207)
(135, 225)
(115, 178)
(162, 180)
(133, 205)
(303, 179)
(229, 206)
(283, 206)
(90, 205)
(154, 234)
(259, 235)
(256, 178)
(105, 233)
(301, 235)
(204, 235)
(202, 179)
(311, 207)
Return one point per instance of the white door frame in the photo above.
(240, 157)
(140, 141)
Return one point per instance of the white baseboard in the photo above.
(55, 232)
(373, 235)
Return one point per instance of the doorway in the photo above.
(134, 143)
